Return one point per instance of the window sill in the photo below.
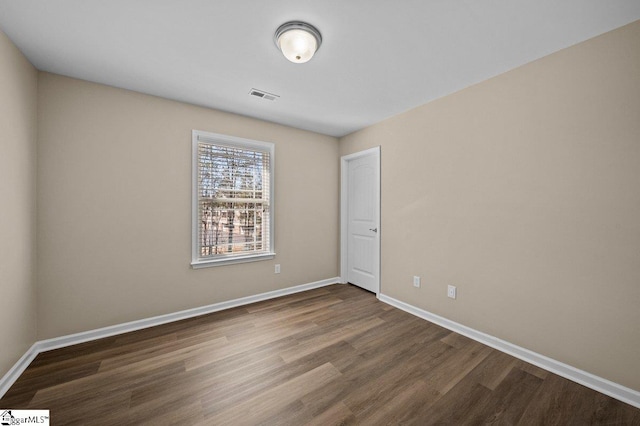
(207, 263)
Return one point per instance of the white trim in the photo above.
(231, 260)
(86, 336)
(344, 185)
(18, 368)
(607, 387)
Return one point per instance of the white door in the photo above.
(362, 174)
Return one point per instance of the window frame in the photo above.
(198, 136)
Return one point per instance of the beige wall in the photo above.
(524, 192)
(114, 207)
(18, 95)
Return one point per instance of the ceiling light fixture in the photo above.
(298, 41)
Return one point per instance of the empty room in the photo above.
(328, 212)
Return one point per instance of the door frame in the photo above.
(344, 204)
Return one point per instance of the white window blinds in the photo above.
(233, 206)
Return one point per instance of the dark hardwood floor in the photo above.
(334, 355)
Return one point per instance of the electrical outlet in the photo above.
(451, 291)
(277, 269)
(416, 281)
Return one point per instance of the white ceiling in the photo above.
(378, 57)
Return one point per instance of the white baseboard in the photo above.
(584, 378)
(18, 368)
(73, 339)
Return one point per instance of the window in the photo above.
(232, 200)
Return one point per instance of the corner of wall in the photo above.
(18, 132)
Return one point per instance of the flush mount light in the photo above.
(298, 41)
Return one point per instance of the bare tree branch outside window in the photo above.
(233, 200)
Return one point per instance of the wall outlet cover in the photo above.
(452, 291)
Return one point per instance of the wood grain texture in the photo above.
(329, 356)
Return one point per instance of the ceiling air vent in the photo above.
(264, 95)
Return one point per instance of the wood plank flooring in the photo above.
(334, 355)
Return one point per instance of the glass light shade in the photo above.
(298, 41)
(297, 45)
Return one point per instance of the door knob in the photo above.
(373, 229)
